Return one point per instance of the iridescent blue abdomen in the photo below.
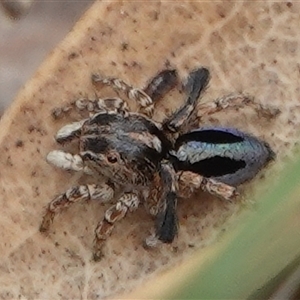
(225, 154)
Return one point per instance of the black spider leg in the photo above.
(167, 220)
(161, 84)
(196, 83)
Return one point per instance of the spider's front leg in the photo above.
(92, 106)
(189, 182)
(75, 194)
(135, 94)
(157, 87)
(128, 202)
(72, 131)
(102, 105)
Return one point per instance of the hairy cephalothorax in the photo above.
(154, 163)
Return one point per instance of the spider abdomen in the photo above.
(226, 154)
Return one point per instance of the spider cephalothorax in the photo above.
(153, 163)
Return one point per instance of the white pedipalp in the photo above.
(65, 160)
(69, 130)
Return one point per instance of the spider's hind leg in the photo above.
(189, 182)
(236, 101)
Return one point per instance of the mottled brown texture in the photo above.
(248, 46)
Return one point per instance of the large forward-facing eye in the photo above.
(112, 158)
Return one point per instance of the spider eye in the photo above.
(112, 158)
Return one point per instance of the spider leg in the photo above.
(236, 101)
(128, 202)
(139, 96)
(161, 84)
(196, 83)
(73, 195)
(67, 161)
(92, 106)
(102, 105)
(189, 182)
(164, 207)
(155, 90)
(73, 130)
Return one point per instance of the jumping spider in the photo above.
(136, 159)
